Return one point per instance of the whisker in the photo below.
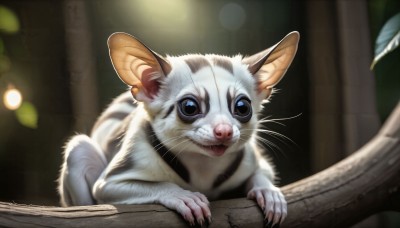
(271, 146)
(271, 133)
(161, 144)
(182, 150)
(176, 145)
(275, 134)
(262, 142)
(267, 120)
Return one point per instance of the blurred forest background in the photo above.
(54, 60)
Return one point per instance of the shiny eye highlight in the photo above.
(189, 109)
(242, 110)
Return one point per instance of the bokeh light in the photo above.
(232, 16)
(161, 13)
(12, 98)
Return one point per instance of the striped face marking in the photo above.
(213, 105)
(199, 62)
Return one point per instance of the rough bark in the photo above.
(364, 183)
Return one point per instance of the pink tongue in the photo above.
(218, 150)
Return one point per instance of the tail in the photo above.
(83, 164)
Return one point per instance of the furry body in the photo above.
(189, 139)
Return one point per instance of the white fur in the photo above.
(138, 174)
(147, 181)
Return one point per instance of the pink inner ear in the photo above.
(150, 84)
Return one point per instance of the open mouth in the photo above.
(216, 150)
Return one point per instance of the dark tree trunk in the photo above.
(81, 64)
(363, 184)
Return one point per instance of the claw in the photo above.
(269, 224)
(209, 220)
(266, 222)
(201, 222)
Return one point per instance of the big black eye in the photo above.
(242, 109)
(188, 109)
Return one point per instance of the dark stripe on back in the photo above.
(224, 63)
(124, 164)
(195, 63)
(109, 115)
(167, 156)
(114, 143)
(125, 98)
(229, 171)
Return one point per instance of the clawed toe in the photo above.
(200, 222)
(272, 203)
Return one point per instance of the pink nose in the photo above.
(223, 132)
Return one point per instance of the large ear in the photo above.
(270, 65)
(137, 65)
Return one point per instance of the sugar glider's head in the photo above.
(205, 104)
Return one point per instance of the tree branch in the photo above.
(364, 183)
(353, 189)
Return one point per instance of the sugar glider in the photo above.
(184, 133)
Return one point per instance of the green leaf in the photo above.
(27, 115)
(388, 39)
(8, 20)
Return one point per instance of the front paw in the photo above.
(272, 202)
(193, 206)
